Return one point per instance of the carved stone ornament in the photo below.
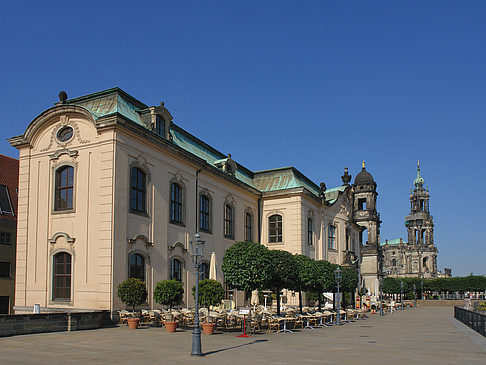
(64, 121)
(344, 210)
(142, 160)
(229, 198)
(177, 176)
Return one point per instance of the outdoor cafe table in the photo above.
(284, 320)
(307, 318)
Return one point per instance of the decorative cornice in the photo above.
(54, 238)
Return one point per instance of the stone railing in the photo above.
(22, 324)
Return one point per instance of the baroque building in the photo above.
(111, 188)
(418, 256)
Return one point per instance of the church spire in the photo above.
(419, 181)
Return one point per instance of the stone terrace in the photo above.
(424, 335)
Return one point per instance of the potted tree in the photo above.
(211, 293)
(169, 293)
(132, 292)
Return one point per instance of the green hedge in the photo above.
(451, 285)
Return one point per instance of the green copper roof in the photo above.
(110, 102)
(116, 101)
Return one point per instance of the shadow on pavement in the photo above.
(233, 347)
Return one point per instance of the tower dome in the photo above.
(419, 181)
(364, 177)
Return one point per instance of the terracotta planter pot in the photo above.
(133, 323)
(208, 328)
(171, 326)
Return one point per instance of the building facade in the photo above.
(110, 188)
(9, 173)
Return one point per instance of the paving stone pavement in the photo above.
(426, 335)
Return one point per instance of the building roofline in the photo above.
(126, 95)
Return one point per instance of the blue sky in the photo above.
(318, 85)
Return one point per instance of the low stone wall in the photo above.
(22, 324)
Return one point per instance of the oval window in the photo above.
(65, 134)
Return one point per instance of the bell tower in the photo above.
(366, 215)
(422, 252)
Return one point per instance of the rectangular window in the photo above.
(175, 203)
(138, 190)
(248, 227)
(362, 204)
(275, 228)
(5, 202)
(4, 269)
(347, 240)
(228, 221)
(4, 304)
(309, 232)
(332, 237)
(5, 238)
(204, 213)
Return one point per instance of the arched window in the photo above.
(394, 262)
(64, 188)
(62, 276)
(309, 232)
(138, 190)
(228, 221)
(204, 213)
(204, 271)
(275, 228)
(175, 203)
(176, 270)
(137, 267)
(248, 227)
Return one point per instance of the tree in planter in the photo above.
(132, 292)
(325, 279)
(307, 276)
(284, 272)
(246, 266)
(211, 293)
(169, 293)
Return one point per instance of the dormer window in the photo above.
(159, 126)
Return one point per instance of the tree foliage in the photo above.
(169, 293)
(211, 293)
(132, 292)
(247, 266)
(284, 272)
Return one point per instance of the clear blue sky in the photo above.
(319, 85)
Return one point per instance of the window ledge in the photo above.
(181, 224)
(64, 211)
(140, 214)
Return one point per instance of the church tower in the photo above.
(366, 215)
(421, 258)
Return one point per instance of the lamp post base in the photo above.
(196, 342)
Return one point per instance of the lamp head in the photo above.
(337, 274)
(197, 245)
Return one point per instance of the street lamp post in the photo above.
(337, 276)
(401, 293)
(422, 290)
(414, 295)
(196, 256)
